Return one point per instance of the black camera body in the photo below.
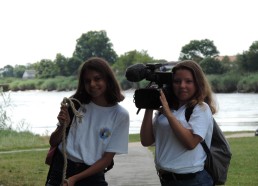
(149, 97)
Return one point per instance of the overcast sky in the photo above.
(32, 30)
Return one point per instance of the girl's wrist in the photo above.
(66, 181)
(73, 179)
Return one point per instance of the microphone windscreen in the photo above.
(136, 72)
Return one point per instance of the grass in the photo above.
(27, 168)
(12, 140)
(244, 164)
(23, 169)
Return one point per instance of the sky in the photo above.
(32, 30)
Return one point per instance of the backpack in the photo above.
(218, 155)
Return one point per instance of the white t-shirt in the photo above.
(103, 129)
(171, 155)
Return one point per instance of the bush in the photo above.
(49, 85)
(248, 83)
(225, 83)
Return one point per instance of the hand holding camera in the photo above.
(149, 97)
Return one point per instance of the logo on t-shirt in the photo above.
(104, 133)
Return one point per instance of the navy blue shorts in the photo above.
(55, 173)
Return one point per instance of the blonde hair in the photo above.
(203, 89)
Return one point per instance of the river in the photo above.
(36, 111)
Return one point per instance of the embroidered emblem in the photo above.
(104, 133)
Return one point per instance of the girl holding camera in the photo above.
(179, 156)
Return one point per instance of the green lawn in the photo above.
(28, 168)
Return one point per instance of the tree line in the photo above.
(96, 43)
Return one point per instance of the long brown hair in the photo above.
(113, 92)
(203, 89)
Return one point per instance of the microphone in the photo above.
(136, 72)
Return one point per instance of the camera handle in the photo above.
(148, 86)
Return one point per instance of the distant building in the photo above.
(29, 74)
(227, 58)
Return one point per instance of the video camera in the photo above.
(149, 97)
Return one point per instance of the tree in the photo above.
(73, 65)
(7, 71)
(254, 47)
(62, 65)
(19, 70)
(126, 60)
(248, 61)
(130, 58)
(95, 43)
(46, 69)
(212, 66)
(198, 50)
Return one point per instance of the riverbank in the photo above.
(221, 83)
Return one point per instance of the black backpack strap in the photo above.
(188, 112)
(205, 147)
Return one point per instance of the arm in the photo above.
(185, 136)
(64, 119)
(99, 166)
(146, 133)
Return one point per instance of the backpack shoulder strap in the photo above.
(188, 112)
(205, 147)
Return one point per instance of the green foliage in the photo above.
(8, 71)
(66, 83)
(28, 84)
(73, 65)
(197, 50)
(230, 66)
(95, 43)
(212, 66)
(254, 47)
(225, 83)
(248, 83)
(49, 85)
(234, 82)
(46, 69)
(61, 63)
(248, 60)
(18, 71)
(131, 58)
(59, 83)
(10, 140)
